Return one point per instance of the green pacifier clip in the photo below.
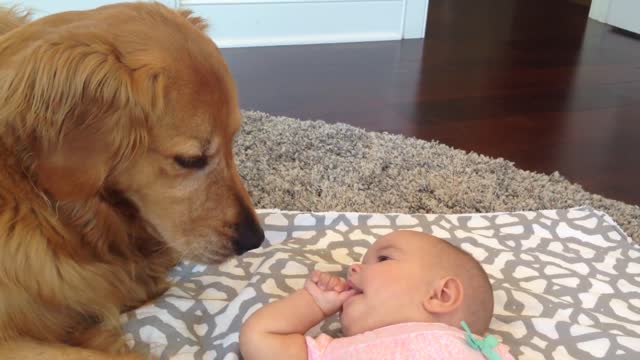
(485, 346)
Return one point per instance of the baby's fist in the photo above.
(328, 291)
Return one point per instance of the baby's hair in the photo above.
(478, 298)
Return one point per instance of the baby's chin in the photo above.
(348, 330)
(350, 327)
(346, 325)
(356, 318)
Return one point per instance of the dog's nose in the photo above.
(249, 234)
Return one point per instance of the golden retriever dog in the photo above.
(116, 132)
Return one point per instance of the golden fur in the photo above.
(116, 130)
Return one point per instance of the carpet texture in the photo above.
(298, 165)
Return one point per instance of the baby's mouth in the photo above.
(357, 291)
(352, 286)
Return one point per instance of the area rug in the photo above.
(314, 166)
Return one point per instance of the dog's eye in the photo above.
(197, 162)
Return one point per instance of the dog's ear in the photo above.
(85, 110)
(76, 167)
(197, 21)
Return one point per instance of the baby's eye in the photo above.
(382, 258)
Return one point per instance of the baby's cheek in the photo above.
(401, 296)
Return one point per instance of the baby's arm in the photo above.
(276, 331)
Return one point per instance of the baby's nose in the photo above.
(354, 269)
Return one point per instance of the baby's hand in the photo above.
(328, 291)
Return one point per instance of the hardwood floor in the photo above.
(534, 82)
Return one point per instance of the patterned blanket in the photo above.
(566, 282)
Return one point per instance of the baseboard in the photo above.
(307, 40)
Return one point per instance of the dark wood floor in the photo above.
(534, 82)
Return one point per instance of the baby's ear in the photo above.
(445, 297)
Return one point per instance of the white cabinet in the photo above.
(286, 22)
(236, 23)
(624, 14)
(46, 7)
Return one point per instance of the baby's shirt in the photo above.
(405, 341)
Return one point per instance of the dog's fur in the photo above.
(116, 131)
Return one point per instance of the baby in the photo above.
(407, 300)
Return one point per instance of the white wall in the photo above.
(624, 14)
(599, 10)
(284, 22)
(46, 7)
(242, 23)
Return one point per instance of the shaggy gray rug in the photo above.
(290, 164)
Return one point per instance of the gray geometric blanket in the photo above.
(566, 282)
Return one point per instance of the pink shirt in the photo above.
(406, 341)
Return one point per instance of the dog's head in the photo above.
(136, 100)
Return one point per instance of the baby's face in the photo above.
(396, 274)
